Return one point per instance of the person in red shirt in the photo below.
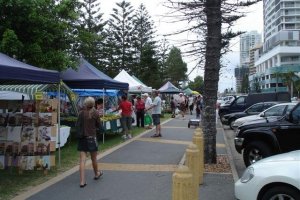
(139, 109)
(126, 107)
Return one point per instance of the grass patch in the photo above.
(12, 183)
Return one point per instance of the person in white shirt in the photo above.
(148, 103)
(191, 104)
(156, 112)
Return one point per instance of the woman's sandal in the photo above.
(82, 186)
(100, 174)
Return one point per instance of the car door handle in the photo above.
(284, 127)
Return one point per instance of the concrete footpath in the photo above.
(139, 169)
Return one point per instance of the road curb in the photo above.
(230, 157)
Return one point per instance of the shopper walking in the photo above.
(88, 122)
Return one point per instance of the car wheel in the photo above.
(281, 192)
(189, 125)
(255, 151)
(231, 122)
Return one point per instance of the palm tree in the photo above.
(289, 79)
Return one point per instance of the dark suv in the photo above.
(261, 140)
(255, 109)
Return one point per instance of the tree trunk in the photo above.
(211, 77)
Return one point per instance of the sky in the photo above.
(163, 26)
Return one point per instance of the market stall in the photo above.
(88, 77)
(27, 129)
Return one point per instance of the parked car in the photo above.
(224, 100)
(255, 109)
(257, 141)
(276, 177)
(245, 101)
(271, 114)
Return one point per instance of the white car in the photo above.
(271, 114)
(224, 100)
(273, 178)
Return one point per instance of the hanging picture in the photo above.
(43, 148)
(45, 106)
(14, 133)
(28, 134)
(45, 119)
(14, 106)
(12, 148)
(15, 119)
(3, 133)
(42, 162)
(44, 133)
(27, 162)
(2, 147)
(3, 119)
(27, 119)
(12, 161)
(28, 106)
(28, 148)
(2, 162)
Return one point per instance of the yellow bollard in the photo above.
(182, 184)
(198, 140)
(192, 162)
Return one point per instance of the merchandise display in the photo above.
(28, 131)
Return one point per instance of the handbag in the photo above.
(80, 126)
(147, 120)
(92, 144)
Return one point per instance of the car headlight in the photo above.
(247, 175)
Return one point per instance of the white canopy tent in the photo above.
(134, 85)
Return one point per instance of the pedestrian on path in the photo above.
(148, 103)
(156, 112)
(89, 122)
(182, 104)
(126, 119)
(140, 111)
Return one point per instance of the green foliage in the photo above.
(245, 84)
(176, 67)
(10, 43)
(143, 35)
(197, 84)
(149, 69)
(121, 30)
(42, 29)
(90, 33)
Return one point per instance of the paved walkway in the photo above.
(138, 169)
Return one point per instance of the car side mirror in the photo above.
(262, 115)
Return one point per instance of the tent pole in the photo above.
(103, 123)
(58, 129)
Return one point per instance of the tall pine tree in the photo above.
(176, 67)
(90, 33)
(121, 30)
(143, 35)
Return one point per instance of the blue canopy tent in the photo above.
(88, 77)
(17, 72)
